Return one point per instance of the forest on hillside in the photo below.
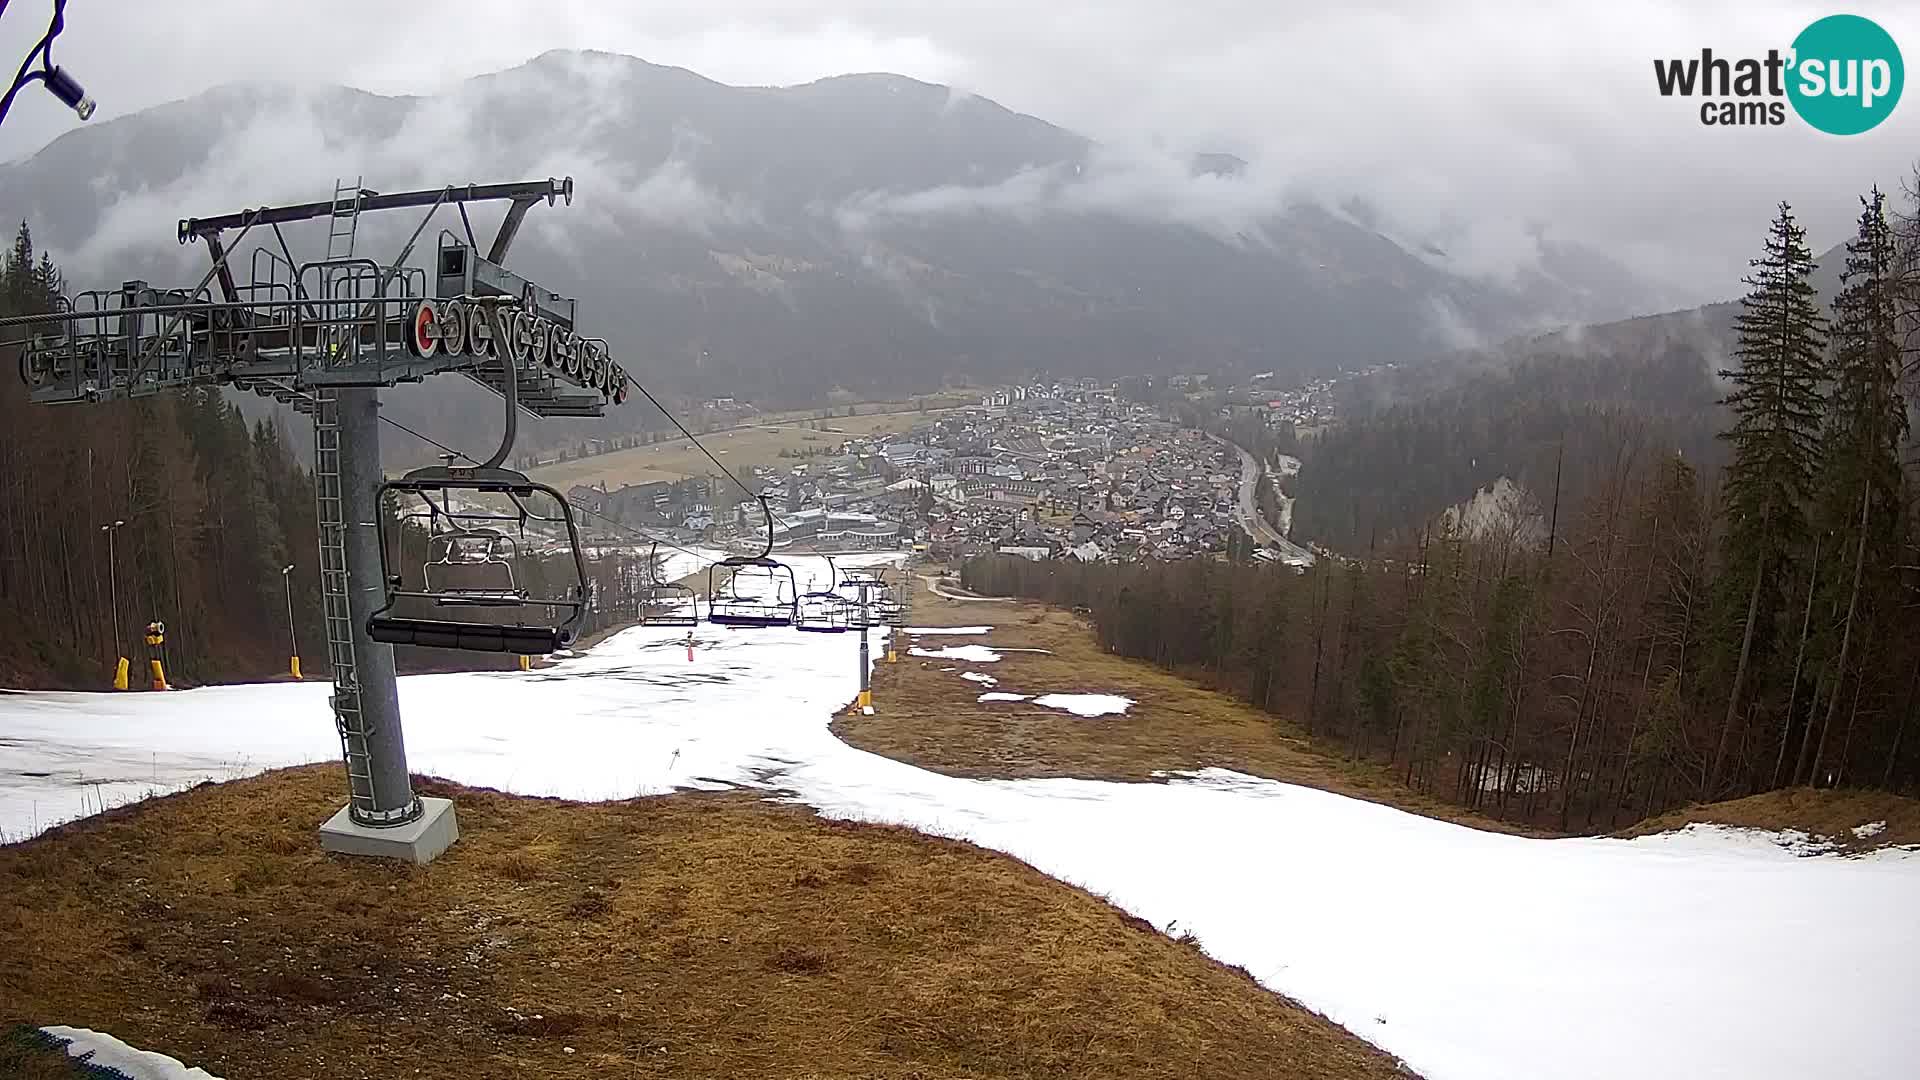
(210, 509)
(1684, 633)
(1547, 421)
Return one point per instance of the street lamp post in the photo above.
(866, 688)
(293, 639)
(113, 590)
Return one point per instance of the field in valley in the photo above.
(758, 443)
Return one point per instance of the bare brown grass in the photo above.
(1830, 815)
(695, 935)
(931, 717)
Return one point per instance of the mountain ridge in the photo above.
(865, 232)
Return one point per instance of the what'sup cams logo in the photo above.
(1843, 76)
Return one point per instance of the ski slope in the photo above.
(1472, 956)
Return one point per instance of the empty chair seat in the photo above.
(475, 637)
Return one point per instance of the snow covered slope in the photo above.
(1472, 956)
(106, 1052)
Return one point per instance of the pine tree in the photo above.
(22, 291)
(1861, 500)
(1776, 403)
(47, 280)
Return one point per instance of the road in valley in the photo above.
(1247, 513)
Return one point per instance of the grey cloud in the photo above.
(290, 148)
(1468, 126)
(1147, 185)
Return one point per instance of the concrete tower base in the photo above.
(418, 841)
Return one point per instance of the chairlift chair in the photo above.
(479, 504)
(888, 611)
(667, 603)
(772, 599)
(472, 564)
(823, 611)
(775, 597)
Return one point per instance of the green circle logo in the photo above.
(1846, 75)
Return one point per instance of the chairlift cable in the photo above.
(628, 529)
(765, 509)
(644, 392)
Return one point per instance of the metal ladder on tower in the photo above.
(348, 718)
(343, 225)
(345, 220)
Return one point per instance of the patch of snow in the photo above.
(1086, 704)
(1869, 830)
(996, 695)
(675, 565)
(104, 1051)
(1703, 836)
(973, 654)
(947, 630)
(980, 678)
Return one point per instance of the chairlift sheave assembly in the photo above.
(884, 599)
(863, 614)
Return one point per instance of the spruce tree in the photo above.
(23, 293)
(1776, 401)
(1860, 503)
(48, 281)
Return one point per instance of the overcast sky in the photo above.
(1470, 122)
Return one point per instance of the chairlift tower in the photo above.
(326, 336)
(862, 581)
